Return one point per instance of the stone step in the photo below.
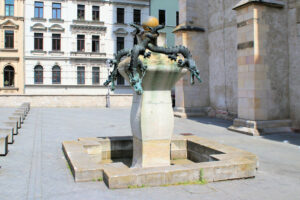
(256, 128)
(16, 119)
(23, 110)
(18, 115)
(3, 144)
(21, 114)
(10, 132)
(13, 124)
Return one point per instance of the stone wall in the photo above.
(277, 60)
(294, 60)
(222, 56)
(278, 43)
(189, 98)
(67, 101)
(215, 54)
(12, 56)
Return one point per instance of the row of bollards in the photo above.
(10, 128)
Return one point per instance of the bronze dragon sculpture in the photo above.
(147, 38)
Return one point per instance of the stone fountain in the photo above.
(153, 156)
(152, 118)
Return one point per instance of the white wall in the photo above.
(69, 44)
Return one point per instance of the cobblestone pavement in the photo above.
(35, 167)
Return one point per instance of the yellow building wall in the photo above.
(13, 57)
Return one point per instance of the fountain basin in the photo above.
(192, 159)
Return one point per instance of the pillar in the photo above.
(263, 82)
(193, 18)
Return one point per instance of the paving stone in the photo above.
(35, 167)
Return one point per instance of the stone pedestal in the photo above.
(152, 118)
(152, 123)
(262, 62)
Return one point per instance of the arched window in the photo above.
(9, 76)
(56, 75)
(38, 74)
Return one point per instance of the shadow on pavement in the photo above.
(290, 138)
(212, 121)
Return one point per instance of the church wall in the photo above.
(222, 57)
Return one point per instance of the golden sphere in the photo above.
(150, 22)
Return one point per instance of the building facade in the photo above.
(167, 11)
(248, 56)
(67, 44)
(11, 46)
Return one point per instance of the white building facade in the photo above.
(67, 43)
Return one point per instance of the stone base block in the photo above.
(194, 159)
(21, 114)
(22, 110)
(256, 128)
(17, 120)
(151, 153)
(190, 112)
(13, 125)
(10, 132)
(3, 144)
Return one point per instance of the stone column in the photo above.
(193, 16)
(152, 118)
(262, 67)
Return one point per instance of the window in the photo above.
(135, 40)
(80, 42)
(95, 75)
(80, 12)
(38, 41)
(137, 16)
(96, 13)
(95, 43)
(177, 18)
(9, 7)
(38, 74)
(120, 46)
(120, 79)
(56, 78)
(120, 15)
(38, 9)
(56, 11)
(162, 17)
(120, 43)
(9, 39)
(9, 76)
(80, 75)
(56, 42)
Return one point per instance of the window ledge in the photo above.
(38, 52)
(36, 19)
(97, 53)
(56, 52)
(56, 20)
(88, 22)
(12, 17)
(8, 50)
(9, 88)
(88, 53)
(87, 85)
(123, 24)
